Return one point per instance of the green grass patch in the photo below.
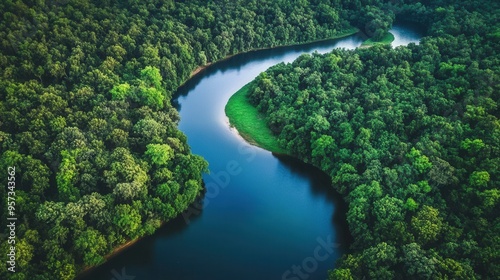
(386, 40)
(250, 123)
(347, 32)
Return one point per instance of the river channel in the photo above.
(262, 217)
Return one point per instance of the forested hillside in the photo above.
(86, 118)
(410, 137)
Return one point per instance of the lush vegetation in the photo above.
(386, 39)
(86, 119)
(250, 123)
(410, 136)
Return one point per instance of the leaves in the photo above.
(427, 225)
(127, 219)
(66, 176)
(420, 162)
(160, 154)
(479, 179)
(92, 245)
(82, 98)
(120, 92)
(409, 135)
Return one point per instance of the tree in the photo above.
(417, 263)
(427, 225)
(120, 92)
(472, 146)
(347, 133)
(128, 220)
(455, 269)
(490, 198)
(479, 179)
(96, 207)
(62, 92)
(151, 96)
(376, 22)
(58, 262)
(378, 261)
(150, 131)
(124, 169)
(66, 177)
(92, 245)
(347, 177)
(35, 174)
(442, 173)
(151, 77)
(129, 191)
(420, 162)
(388, 211)
(24, 255)
(119, 138)
(363, 138)
(322, 149)
(411, 205)
(160, 154)
(340, 274)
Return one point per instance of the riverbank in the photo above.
(249, 123)
(386, 40)
(115, 252)
(200, 69)
(276, 150)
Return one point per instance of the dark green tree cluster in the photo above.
(86, 118)
(411, 137)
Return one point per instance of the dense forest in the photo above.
(86, 118)
(410, 136)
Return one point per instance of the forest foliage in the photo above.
(86, 115)
(410, 136)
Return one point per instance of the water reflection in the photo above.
(266, 219)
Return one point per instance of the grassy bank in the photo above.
(387, 39)
(250, 124)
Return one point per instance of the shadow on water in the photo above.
(222, 237)
(238, 61)
(321, 185)
(405, 33)
(143, 247)
(413, 24)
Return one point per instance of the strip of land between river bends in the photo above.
(250, 123)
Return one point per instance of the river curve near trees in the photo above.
(263, 217)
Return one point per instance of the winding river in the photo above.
(262, 217)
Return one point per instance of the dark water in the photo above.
(405, 33)
(262, 217)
